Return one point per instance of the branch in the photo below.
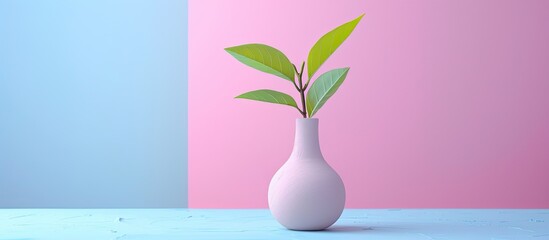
(295, 85)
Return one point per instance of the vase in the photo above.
(306, 193)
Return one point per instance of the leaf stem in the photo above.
(295, 85)
(302, 90)
(295, 69)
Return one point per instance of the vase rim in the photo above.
(307, 119)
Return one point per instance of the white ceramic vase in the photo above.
(306, 193)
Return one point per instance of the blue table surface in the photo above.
(259, 224)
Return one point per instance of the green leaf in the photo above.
(264, 58)
(327, 45)
(323, 88)
(266, 95)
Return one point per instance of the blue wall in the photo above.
(93, 103)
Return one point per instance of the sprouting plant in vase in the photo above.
(270, 60)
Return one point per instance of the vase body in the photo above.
(306, 193)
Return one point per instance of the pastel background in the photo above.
(93, 103)
(446, 104)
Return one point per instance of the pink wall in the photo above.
(446, 104)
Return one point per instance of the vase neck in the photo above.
(306, 143)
